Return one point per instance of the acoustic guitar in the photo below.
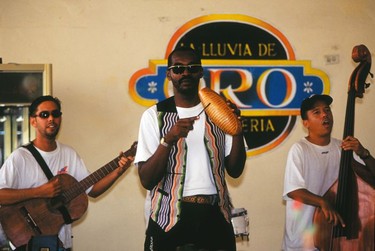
(35, 217)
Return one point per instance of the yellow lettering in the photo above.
(221, 50)
(262, 50)
(258, 125)
(212, 50)
(247, 50)
(266, 49)
(227, 49)
(271, 49)
(244, 125)
(204, 52)
(270, 126)
(231, 49)
(191, 45)
(254, 123)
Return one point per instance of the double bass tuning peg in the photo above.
(367, 85)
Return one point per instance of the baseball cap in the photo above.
(308, 103)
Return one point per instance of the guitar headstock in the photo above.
(132, 150)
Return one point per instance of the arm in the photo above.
(105, 183)
(53, 188)
(235, 161)
(297, 178)
(48, 190)
(306, 197)
(152, 170)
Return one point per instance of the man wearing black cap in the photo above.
(312, 167)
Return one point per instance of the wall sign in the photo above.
(247, 61)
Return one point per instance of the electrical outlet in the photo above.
(332, 59)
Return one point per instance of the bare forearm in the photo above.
(235, 162)
(306, 197)
(11, 196)
(103, 185)
(153, 170)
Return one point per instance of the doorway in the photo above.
(15, 129)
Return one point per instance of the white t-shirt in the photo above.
(21, 170)
(198, 178)
(314, 168)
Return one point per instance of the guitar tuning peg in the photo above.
(372, 75)
(367, 85)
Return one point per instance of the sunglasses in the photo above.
(46, 114)
(179, 69)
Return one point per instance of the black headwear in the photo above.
(308, 103)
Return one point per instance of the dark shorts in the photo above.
(201, 227)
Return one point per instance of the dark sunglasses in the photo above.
(46, 114)
(179, 69)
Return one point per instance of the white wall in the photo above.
(95, 46)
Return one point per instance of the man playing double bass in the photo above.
(312, 167)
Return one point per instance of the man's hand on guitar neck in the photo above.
(124, 163)
(126, 159)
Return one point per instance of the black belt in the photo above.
(202, 199)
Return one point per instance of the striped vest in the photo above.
(166, 196)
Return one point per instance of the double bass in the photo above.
(353, 194)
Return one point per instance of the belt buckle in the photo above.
(207, 199)
(213, 199)
(202, 199)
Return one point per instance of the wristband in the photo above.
(366, 155)
(163, 143)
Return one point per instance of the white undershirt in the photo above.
(199, 179)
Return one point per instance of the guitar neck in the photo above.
(99, 174)
(96, 176)
(90, 180)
